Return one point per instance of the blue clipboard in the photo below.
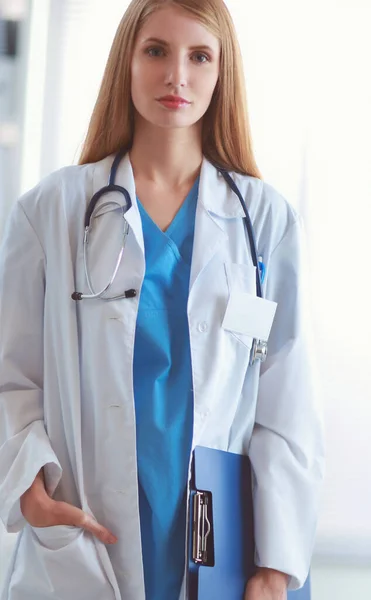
(221, 543)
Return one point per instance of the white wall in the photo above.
(339, 582)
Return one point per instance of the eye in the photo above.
(201, 58)
(155, 51)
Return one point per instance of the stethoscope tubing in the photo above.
(249, 228)
(113, 187)
(259, 348)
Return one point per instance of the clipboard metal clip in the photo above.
(202, 519)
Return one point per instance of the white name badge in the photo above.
(250, 315)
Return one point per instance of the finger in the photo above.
(67, 514)
(102, 533)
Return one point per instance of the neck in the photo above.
(166, 157)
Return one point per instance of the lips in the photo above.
(174, 99)
(174, 102)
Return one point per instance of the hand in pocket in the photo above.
(40, 510)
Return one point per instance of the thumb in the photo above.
(67, 514)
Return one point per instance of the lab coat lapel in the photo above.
(208, 237)
(216, 204)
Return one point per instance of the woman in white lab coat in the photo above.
(102, 402)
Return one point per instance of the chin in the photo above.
(170, 121)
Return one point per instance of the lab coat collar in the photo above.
(214, 193)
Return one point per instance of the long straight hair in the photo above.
(226, 134)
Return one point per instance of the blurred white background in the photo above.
(309, 92)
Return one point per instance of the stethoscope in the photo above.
(260, 347)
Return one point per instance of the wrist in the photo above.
(272, 578)
(37, 488)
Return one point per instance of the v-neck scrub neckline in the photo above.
(178, 216)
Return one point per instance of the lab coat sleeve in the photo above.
(24, 444)
(287, 446)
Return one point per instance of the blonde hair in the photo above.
(226, 137)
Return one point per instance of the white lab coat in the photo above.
(66, 381)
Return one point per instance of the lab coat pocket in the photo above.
(59, 562)
(247, 316)
(56, 537)
(241, 278)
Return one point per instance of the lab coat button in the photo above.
(202, 327)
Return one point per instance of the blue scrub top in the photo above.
(164, 398)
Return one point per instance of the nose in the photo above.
(176, 72)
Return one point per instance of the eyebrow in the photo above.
(154, 40)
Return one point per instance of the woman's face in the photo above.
(174, 56)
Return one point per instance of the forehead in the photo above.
(177, 26)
